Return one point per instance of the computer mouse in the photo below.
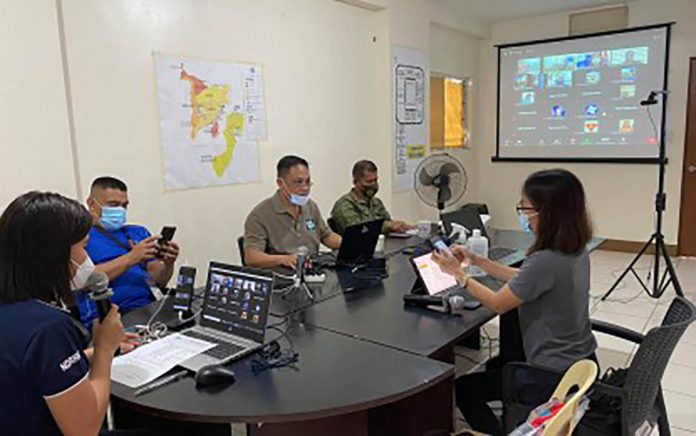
(214, 375)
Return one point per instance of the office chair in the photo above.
(332, 224)
(240, 246)
(640, 396)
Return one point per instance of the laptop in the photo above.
(234, 314)
(432, 281)
(359, 242)
(469, 218)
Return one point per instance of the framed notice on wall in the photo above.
(409, 93)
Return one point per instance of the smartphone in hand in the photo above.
(166, 235)
(439, 245)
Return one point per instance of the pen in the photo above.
(162, 382)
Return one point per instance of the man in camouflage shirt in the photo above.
(360, 204)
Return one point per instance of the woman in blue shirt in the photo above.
(49, 385)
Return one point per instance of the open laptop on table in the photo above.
(359, 242)
(234, 314)
(470, 219)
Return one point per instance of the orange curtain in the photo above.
(454, 113)
(437, 115)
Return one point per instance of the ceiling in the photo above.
(491, 11)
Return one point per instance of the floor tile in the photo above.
(613, 343)
(623, 293)
(680, 379)
(685, 354)
(640, 307)
(616, 258)
(680, 410)
(609, 358)
(676, 431)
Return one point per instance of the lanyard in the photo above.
(115, 239)
(120, 243)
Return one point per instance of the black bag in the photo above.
(604, 415)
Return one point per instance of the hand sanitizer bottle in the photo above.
(478, 244)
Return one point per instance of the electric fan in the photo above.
(440, 180)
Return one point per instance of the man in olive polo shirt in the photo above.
(279, 225)
(360, 204)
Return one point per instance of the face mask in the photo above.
(296, 199)
(525, 225)
(113, 218)
(299, 200)
(82, 274)
(370, 191)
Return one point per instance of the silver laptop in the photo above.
(234, 315)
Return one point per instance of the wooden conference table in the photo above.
(367, 366)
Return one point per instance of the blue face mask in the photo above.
(113, 218)
(525, 225)
(296, 199)
(299, 200)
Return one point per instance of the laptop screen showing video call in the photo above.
(237, 302)
(434, 280)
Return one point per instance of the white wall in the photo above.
(34, 140)
(456, 53)
(328, 90)
(321, 68)
(449, 51)
(621, 197)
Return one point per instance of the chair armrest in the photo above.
(617, 331)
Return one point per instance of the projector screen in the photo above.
(578, 98)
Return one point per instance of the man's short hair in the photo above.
(287, 162)
(363, 166)
(109, 183)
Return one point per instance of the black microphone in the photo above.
(100, 293)
(652, 98)
(449, 302)
(302, 253)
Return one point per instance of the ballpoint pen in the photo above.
(162, 382)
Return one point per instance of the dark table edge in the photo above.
(280, 418)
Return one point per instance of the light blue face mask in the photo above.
(525, 225)
(296, 199)
(113, 218)
(299, 200)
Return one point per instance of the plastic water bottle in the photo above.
(478, 244)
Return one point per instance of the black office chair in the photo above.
(640, 395)
(240, 246)
(332, 224)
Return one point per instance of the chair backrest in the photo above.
(240, 245)
(650, 362)
(581, 376)
(332, 224)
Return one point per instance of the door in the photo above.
(687, 215)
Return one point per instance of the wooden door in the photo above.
(687, 215)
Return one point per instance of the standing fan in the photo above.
(440, 180)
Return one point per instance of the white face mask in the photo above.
(82, 274)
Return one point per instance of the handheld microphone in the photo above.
(302, 253)
(99, 292)
(449, 303)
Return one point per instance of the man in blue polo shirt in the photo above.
(136, 264)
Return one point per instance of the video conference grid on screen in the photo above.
(238, 302)
(581, 97)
